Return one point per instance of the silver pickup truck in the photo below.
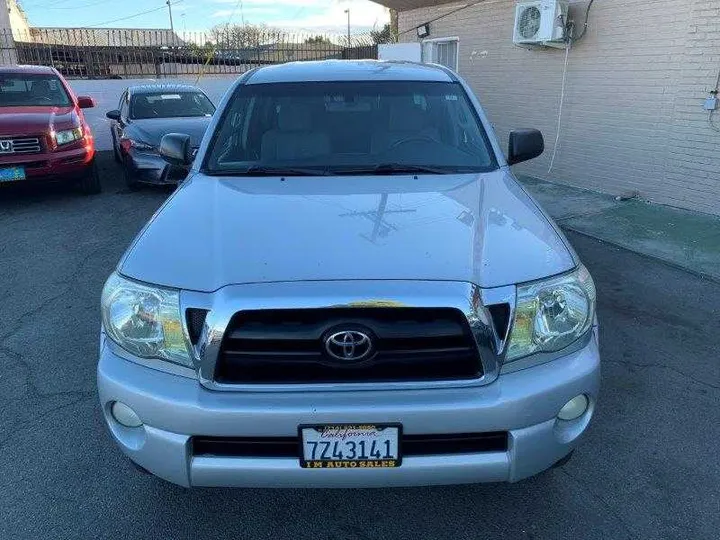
(350, 278)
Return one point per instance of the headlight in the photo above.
(552, 314)
(69, 135)
(144, 320)
(141, 146)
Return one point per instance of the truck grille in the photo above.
(24, 145)
(288, 346)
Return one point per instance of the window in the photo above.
(349, 128)
(443, 51)
(170, 105)
(124, 106)
(27, 90)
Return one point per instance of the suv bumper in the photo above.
(60, 165)
(174, 408)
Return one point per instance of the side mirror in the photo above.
(175, 149)
(113, 115)
(85, 102)
(525, 144)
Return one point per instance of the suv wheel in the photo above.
(90, 181)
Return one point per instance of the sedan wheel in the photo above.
(130, 179)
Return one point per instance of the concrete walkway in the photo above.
(685, 239)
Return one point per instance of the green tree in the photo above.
(238, 36)
(385, 35)
(318, 40)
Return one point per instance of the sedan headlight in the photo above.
(140, 146)
(144, 320)
(68, 136)
(552, 314)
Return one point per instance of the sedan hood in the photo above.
(480, 228)
(152, 130)
(36, 120)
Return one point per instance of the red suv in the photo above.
(43, 132)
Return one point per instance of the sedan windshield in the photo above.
(170, 105)
(27, 90)
(385, 127)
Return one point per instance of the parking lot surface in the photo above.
(648, 468)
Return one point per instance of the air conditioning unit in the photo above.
(542, 22)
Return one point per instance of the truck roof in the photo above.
(349, 70)
(39, 70)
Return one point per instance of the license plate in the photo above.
(11, 174)
(350, 446)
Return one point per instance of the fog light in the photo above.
(124, 415)
(574, 408)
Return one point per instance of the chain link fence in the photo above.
(103, 53)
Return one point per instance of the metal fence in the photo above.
(101, 53)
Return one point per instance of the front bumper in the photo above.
(152, 169)
(174, 408)
(51, 166)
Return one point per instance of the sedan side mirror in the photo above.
(175, 149)
(525, 144)
(85, 102)
(113, 115)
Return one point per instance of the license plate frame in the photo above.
(355, 463)
(12, 174)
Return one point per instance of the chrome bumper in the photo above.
(523, 403)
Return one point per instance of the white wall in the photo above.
(633, 117)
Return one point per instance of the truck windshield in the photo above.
(349, 128)
(27, 90)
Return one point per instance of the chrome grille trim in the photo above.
(224, 303)
(22, 145)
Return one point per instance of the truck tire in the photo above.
(90, 181)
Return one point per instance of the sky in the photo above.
(193, 15)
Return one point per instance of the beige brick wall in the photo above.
(633, 117)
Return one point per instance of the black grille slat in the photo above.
(287, 346)
(195, 321)
(411, 445)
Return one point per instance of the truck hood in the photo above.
(480, 228)
(36, 120)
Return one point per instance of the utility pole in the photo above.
(348, 14)
(169, 5)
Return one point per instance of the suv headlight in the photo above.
(551, 314)
(69, 135)
(144, 320)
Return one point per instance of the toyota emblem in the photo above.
(349, 346)
(6, 147)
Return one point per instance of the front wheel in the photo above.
(130, 179)
(90, 181)
(116, 151)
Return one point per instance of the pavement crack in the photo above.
(42, 417)
(29, 378)
(660, 366)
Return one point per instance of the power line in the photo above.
(84, 5)
(453, 12)
(43, 6)
(131, 16)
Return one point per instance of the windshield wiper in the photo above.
(394, 168)
(260, 170)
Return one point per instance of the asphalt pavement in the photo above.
(648, 468)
